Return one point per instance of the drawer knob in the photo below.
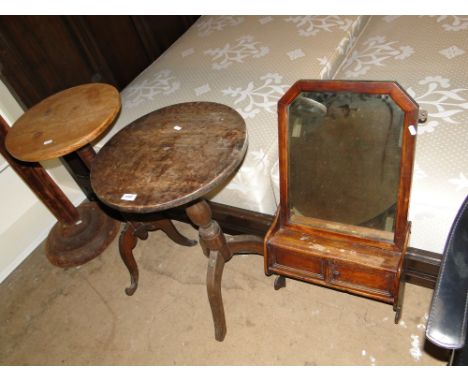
(336, 273)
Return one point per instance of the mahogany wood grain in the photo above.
(63, 122)
(410, 108)
(358, 260)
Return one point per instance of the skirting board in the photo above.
(34, 225)
(20, 257)
(421, 267)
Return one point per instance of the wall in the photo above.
(24, 221)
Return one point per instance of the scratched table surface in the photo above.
(169, 157)
(63, 122)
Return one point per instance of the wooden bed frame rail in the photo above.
(421, 267)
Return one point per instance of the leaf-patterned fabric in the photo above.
(248, 62)
(428, 56)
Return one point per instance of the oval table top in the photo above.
(63, 122)
(169, 157)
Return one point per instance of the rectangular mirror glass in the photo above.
(344, 154)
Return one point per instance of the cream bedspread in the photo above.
(428, 57)
(248, 62)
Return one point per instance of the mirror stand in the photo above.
(346, 151)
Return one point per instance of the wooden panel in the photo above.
(120, 45)
(39, 57)
(298, 261)
(364, 270)
(42, 55)
(158, 33)
(422, 267)
(358, 277)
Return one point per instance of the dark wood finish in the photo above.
(280, 282)
(128, 241)
(71, 245)
(219, 250)
(172, 157)
(422, 267)
(157, 33)
(39, 56)
(361, 262)
(87, 155)
(63, 122)
(233, 220)
(79, 172)
(215, 246)
(42, 55)
(89, 48)
(39, 181)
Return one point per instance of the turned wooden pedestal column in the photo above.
(219, 251)
(62, 123)
(172, 157)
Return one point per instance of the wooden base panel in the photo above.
(70, 245)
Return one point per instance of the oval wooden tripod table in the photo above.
(60, 124)
(172, 157)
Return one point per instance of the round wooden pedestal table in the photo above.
(60, 124)
(172, 157)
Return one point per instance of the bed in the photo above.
(248, 62)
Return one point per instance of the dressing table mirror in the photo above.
(346, 152)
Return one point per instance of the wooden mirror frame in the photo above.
(409, 107)
(348, 261)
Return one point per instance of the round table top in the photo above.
(169, 157)
(63, 122)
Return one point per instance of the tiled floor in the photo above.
(82, 316)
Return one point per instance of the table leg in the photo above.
(135, 230)
(128, 241)
(399, 299)
(220, 251)
(87, 155)
(280, 282)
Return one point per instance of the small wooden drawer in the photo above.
(307, 264)
(361, 278)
